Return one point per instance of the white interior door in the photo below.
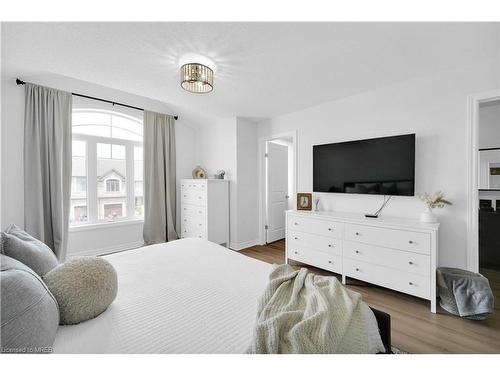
(277, 190)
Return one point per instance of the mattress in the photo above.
(185, 296)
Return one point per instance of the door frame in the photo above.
(473, 102)
(262, 176)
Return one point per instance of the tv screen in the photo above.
(383, 166)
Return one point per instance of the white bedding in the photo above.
(185, 296)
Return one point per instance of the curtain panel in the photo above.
(159, 178)
(47, 165)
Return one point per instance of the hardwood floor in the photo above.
(414, 328)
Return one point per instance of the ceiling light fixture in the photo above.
(197, 78)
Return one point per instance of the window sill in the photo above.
(105, 225)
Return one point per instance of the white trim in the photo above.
(109, 249)
(105, 225)
(262, 178)
(243, 245)
(473, 102)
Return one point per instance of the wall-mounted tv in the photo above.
(382, 166)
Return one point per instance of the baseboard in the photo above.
(243, 245)
(108, 250)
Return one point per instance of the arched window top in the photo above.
(106, 123)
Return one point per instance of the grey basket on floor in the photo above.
(447, 299)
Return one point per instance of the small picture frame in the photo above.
(304, 201)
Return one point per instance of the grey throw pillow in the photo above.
(84, 287)
(29, 312)
(18, 244)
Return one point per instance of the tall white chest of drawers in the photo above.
(205, 210)
(399, 254)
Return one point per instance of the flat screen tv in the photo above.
(382, 166)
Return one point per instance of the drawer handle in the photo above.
(295, 238)
(330, 262)
(357, 251)
(185, 195)
(200, 225)
(357, 233)
(199, 197)
(330, 245)
(410, 262)
(410, 242)
(199, 212)
(410, 283)
(185, 219)
(184, 208)
(296, 252)
(295, 223)
(330, 229)
(357, 269)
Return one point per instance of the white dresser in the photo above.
(399, 254)
(205, 210)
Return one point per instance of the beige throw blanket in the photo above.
(300, 312)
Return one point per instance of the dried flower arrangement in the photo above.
(434, 201)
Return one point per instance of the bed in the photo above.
(186, 296)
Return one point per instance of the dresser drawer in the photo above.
(192, 212)
(315, 258)
(325, 244)
(405, 282)
(192, 196)
(393, 238)
(188, 231)
(314, 226)
(401, 260)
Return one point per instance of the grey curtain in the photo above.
(159, 178)
(47, 165)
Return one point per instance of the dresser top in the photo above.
(357, 218)
(199, 180)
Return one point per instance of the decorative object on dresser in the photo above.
(304, 201)
(220, 174)
(199, 173)
(205, 209)
(432, 201)
(395, 253)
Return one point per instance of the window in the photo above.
(107, 181)
(112, 185)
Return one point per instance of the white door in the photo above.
(277, 190)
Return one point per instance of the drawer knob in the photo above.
(185, 219)
(410, 283)
(295, 238)
(330, 245)
(357, 269)
(330, 262)
(357, 251)
(357, 233)
(330, 229)
(200, 225)
(199, 212)
(295, 223)
(185, 195)
(410, 242)
(410, 262)
(296, 252)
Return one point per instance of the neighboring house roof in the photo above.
(111, 173)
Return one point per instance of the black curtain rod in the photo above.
(19, 82)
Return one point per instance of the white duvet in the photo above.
(185, 296)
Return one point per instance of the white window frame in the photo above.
(113, 179)
(91, 142)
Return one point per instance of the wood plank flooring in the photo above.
(414, 328)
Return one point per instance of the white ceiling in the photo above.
(263, 69)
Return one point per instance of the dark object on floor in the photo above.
(384, 327)
(489, 239)
(464, 293)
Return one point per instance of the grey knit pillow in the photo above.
(29, 312)
(20, 245)
(84, 287)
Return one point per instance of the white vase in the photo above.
(428, 216)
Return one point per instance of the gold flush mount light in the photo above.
(197, 78)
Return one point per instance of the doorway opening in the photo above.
(278, 185)
(483, 248)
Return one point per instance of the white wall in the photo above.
(109, 238)
(489, 124)
(434, 107)
(247, 222)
